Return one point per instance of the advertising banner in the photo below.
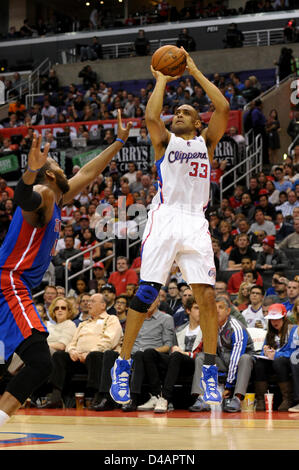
(138, 154)
(235, 119)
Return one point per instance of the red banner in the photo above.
(235, 119)
(74, 126)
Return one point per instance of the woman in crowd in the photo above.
(62, 331)
(81, 287)
(89, 240)
(95, 191)
(42, 311)
(226, 239)
(242, 301)
(262, 180)
(290, 173)
(280, 343)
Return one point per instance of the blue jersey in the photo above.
(24, 258)
(27, 250)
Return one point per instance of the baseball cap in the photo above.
(269, 240)
(109, 287)
(263, 191)
(99, 265)
(276, 311)
(84, 216)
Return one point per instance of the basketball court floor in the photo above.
(72, 429)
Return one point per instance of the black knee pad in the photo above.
(146, 294)
(36, 370)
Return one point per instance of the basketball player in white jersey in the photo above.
(177, 229)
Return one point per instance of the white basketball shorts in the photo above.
(172, 235)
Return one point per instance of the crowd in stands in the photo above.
(156, 12)
(93, 99)
(255, 238)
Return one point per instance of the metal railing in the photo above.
(253, 163)
(19, 90)
(30, 87)
(263, 37)
(114, 50)
(35, 78)
(29, 99)
(87, 268)
(138, 240)
(293, 144)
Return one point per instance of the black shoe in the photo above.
(104, 405)
(131, 406)
(95, 400)
(50, 404)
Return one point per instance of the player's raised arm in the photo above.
(218, 122)
(94, 167)
(159, 134)
(33, 200)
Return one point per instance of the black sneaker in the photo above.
(231, 405)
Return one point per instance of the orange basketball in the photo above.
(169, 60)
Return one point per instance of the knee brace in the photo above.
(36, 371)
(146, 294)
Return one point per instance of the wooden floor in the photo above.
(177, 430)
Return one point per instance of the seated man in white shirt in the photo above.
(67, 231)
(254, 312)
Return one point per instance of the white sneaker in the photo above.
(149, 405)
(294, 409)
(161, 406)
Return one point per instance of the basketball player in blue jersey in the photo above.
(177, 229)
(25, 256)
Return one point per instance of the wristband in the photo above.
(120, 140)
(32, 171)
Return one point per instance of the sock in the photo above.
(3, 417)
(209, 359)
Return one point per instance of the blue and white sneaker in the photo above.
(120, 374)
(209, 382)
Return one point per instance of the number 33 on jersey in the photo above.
(184, 175)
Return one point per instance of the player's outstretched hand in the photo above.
(36, 157)
(122, 132)
(159, 75)
(191, 67)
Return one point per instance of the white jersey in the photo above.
(252, 316)
(184, 175)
